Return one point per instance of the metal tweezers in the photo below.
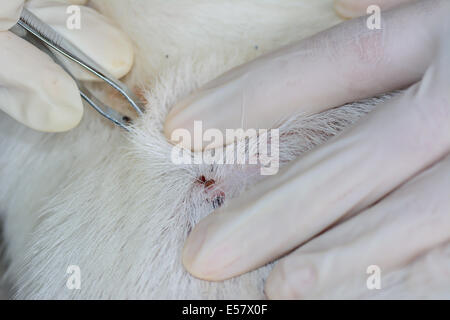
(45, 38)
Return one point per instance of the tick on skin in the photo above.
(218, 197)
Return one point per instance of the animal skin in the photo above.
(113, 203)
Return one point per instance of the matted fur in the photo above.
(113, 203)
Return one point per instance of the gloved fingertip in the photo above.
(120, 65)
(213, 111)
(48, 118)
(192, 252)
(204, 256)
(67, 119)
(59, 117)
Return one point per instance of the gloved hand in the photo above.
(33, 89)
(390, 171)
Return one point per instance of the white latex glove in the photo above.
(9, 13)
(391, 169)
(352, 8)
(33, 89)
(249, 95)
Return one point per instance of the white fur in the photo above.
(113, 203)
